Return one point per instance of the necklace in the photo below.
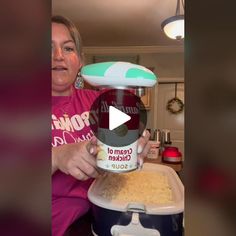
(65, 107)
(64, 104)
(65, 113)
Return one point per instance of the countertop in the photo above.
(177, 167)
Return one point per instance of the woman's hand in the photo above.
(143, 147)
(76, 159)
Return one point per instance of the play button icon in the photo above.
(117, 118)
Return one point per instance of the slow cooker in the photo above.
(112, 217)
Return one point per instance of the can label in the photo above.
(117, 159)
(117, 148)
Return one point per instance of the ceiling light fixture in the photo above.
(174, 26)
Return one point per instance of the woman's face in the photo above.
(65, 61)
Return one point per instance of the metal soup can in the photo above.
(117, 148)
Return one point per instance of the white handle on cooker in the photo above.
(133, 229)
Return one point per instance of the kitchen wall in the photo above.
(168, 67)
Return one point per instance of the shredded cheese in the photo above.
(138, 186)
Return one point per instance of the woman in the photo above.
(73, 145)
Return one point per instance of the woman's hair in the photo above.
(72, 30)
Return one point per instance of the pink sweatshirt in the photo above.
(70, 124)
